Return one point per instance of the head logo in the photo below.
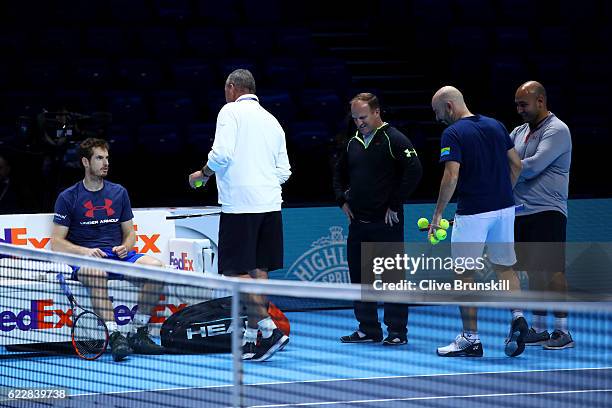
(91, 208)
(325, 261)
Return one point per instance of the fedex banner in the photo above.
(34, 312)
(153, 231)
(33, 308)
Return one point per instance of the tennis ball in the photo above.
(433, 240)
(198, 183)
(444, 224)
(441, 234)
(423, 223)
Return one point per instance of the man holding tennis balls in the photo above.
(481, 164)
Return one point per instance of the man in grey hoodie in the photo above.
(544, 145)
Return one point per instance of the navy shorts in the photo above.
(131, 257)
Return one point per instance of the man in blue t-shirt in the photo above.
(481, 164)
(94, 218)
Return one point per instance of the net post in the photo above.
(236, 347)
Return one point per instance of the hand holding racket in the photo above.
(89, 332)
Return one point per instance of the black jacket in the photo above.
(379, 176)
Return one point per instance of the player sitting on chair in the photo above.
(94, 218)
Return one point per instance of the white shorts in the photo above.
(495, 229)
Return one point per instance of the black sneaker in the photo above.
(120, 348)
(395, 339)
(141, 343)
(461, 347)
(248, 350)
(267, 347)
(534, 338)
(360, 337)
(515, 342)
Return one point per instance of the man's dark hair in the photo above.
(369, 98)
(86, 147)
(242, 79)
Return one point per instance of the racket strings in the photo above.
(90, 336)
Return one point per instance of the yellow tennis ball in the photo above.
(444, 223)
(423, 223)
(198, 183)
(441, 234)
(433, 240)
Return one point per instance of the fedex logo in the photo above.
(18, 236)
(149, 242)
(183, 262)
(42, 315)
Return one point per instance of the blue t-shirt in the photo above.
(480, 144)
(93, 218)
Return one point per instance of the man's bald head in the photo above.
(449, 105)
(532, 88)
(530, 100)
(448, 93)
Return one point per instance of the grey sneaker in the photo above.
(559, 340)
(534, 338)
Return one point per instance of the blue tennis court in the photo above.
(317, 370)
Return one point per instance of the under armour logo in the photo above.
(409, 152)
(91, 208)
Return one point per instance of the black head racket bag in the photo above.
(201, 328)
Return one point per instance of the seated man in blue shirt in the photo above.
(94, 218)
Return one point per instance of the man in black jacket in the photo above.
(375, 174)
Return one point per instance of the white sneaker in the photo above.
(461, 347)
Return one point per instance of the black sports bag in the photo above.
(206, 327)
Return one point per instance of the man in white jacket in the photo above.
(249, 159)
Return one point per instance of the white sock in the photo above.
(250, 336)
(112, 327)
(561, 324)
(516, 313)
(139, 320)
(472, 336)
(539, 323)
(266, 326)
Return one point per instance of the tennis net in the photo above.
(205, 368)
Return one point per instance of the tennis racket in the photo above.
(89, 332)
(180, 217)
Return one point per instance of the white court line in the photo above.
(514, 394)
(340, 379)
(427, 375)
